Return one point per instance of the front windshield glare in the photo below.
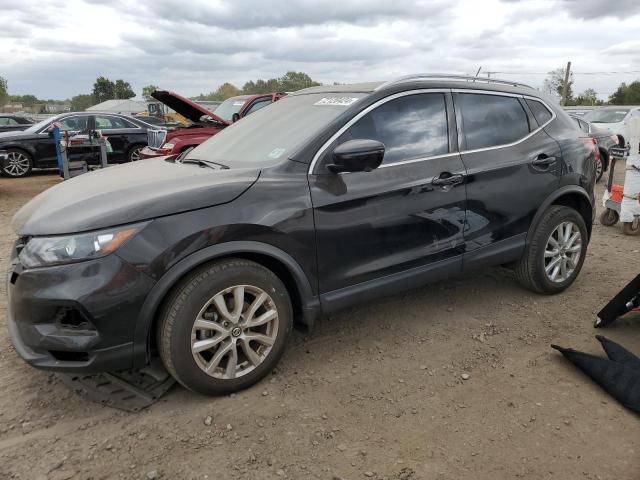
(227, 108)
(275, 132)
(606, 116)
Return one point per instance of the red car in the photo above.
(205, 123)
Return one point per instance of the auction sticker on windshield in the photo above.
(336, 101)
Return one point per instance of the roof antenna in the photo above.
(478, 72)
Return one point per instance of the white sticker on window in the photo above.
(336, 101)
(238, 104)
(276, 153)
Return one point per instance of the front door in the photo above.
(404, 215)
(71, 125)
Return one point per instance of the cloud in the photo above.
(56, 48)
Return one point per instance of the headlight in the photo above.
(44, 251)
(168, 146)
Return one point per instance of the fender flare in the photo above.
(310, 302)
(568, 189)
(21, 146)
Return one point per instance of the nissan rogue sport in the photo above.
(332, 196)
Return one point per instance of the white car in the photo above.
(615, 118)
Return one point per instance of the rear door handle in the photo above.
(543, 160)
(445, 179)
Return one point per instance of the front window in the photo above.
(275, 133)
(606, 116)
(410, 127)
(229, 107)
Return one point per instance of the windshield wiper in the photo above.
(205, 163)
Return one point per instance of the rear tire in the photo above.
(609, 217)
(536, 269)
(631, 228)
(133, 155)
(210, 345)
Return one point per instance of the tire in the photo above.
(20, 163)
(600, 166)
(535, 270)
(182, 340)
(133, 154)
(609, 217)
(631, 228)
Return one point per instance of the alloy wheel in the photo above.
(135, 154)
(599, 169)
(562, 252)
(234, 332)
(18, 165)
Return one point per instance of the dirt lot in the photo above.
(375, 392)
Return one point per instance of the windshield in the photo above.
(275, 132)
(606, 116)
(37, 126)
(229, 107)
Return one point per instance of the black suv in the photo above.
(329, 197)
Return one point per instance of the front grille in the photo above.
(156, 138)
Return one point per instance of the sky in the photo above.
(57, 48)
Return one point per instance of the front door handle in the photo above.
(543, 160)
(445, 179)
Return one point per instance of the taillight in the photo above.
(592, 144)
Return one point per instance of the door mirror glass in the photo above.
(235, 117)
(357, 156)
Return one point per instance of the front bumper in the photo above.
(148, 152)
(76, 318)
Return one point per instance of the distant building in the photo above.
(57, 107)
(126, 107)
(13, 107)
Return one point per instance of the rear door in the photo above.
(121, 133)
(398, 217)
(512, 164)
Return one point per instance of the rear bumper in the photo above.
(76, 318)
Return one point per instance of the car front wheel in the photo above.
(555, 252)
(18, 164)
(225, 326)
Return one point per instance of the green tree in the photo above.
(292, 81)
(103, 89)
(226, 90)
(554, 83)
(26, 100)
(123, 90)
(147, 91)
(261, 86)
(626, 94)
(81, 102)
(588, 97)
(4, 93)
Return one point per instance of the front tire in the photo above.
(20, 163)
(225, 326)
(555, 253)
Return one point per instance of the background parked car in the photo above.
(34, 147)
(615, 118)
(205, 122)
(605, 138)
(9, 123)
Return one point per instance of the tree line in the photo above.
(107, 89)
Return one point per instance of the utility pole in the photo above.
(565, 86)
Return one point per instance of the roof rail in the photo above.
(440, 76)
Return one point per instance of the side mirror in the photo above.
(235, 117)
(357, 156)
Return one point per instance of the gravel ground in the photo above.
(451, 381)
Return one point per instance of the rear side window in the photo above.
(540, 112)
(491, 120)
(258, 105)
(410, 127)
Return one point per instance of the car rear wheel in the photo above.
(225, 326)
(599, 167)
(555, 252)
(19, 163)
(134, 153)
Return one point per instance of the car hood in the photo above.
(129, 193)
(17, 135)
(185, 107)
(191, 132)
